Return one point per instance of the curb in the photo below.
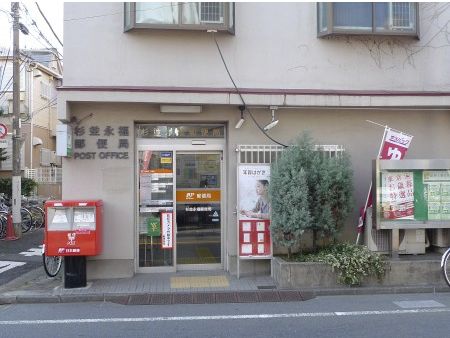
(166, 298)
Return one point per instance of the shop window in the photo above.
(180, 15)
(367, 18)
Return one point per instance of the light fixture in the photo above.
(241, 121)
(274, 122)
(165, 108)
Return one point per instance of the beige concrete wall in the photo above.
(275, 46)
(114, 180)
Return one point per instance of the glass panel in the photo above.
(162, 13)
(155, 198)
(395, 16)
(352, 15)
(198, 209)
(323, 16)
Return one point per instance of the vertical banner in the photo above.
(166, 230)
(394, 146)
(254, 211)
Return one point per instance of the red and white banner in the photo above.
(394, 146)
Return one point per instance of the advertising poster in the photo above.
(254, 211)
(253, 192)
(397, 200)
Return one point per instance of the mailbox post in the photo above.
(74, 230)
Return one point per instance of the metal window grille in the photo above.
(401, 15)
(45, 175)
(253, 154)
(211, 12)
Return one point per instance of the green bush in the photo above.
(27, 186)
(351, 262)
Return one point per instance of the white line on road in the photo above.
(8, 265)
(32, 252)
(224, 317)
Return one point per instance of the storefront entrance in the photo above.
(180, 216)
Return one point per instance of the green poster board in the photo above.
(412, 194)
(153, 226)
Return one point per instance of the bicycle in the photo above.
(52, 264)
(5, 210)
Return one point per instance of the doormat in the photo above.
(199, 282)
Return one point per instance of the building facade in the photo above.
(40, 75)
(154, 112)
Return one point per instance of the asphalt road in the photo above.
(20, 256)
(408, 315)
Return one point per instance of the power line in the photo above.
(48, 23)
(242, 99)
(33, 23)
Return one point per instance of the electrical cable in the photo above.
(242, 99)
(39, 32)
(48, 23)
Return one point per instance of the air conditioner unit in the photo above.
(376, 240)
(440, 238)
(412, 241)
(400, 15)
(211, 12)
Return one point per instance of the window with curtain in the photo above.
(389, 18)
(180, 15)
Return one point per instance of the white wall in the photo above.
(275, 46)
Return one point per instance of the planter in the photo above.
(294, 275)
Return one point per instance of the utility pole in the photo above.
(17, 135)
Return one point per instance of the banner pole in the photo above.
(363, 216)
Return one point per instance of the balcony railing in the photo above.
(45, 175)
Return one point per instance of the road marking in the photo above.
(7, 265)
(414, 304)
(32, 252)
(224, 317)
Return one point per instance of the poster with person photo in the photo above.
(253, 191)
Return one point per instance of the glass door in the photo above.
(198, 209)
(156, 225)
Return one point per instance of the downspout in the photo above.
(30, 109)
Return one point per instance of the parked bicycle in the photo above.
(5, 211)
(52, 264)
(445, 266)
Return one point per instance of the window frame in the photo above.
(332, 31)
(228, 24)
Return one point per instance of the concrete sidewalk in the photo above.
(198, 287)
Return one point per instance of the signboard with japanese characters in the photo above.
(104, 142)
(166, 230)
(417, 195)
(254, 239)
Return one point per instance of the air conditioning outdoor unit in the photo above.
(412, 241)
(440, 238)
(376, 240)
(211, 12)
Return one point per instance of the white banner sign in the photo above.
(167, 230)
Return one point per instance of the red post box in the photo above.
(73, 228)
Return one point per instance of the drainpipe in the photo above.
(30, 110)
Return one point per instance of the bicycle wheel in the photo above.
(52, 264)
(27, 220)
(3, 224)
(445, 266)
(37, 215)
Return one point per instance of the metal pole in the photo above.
(16, 173)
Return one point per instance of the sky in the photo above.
(53, 11)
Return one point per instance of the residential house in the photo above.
(40, 74)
